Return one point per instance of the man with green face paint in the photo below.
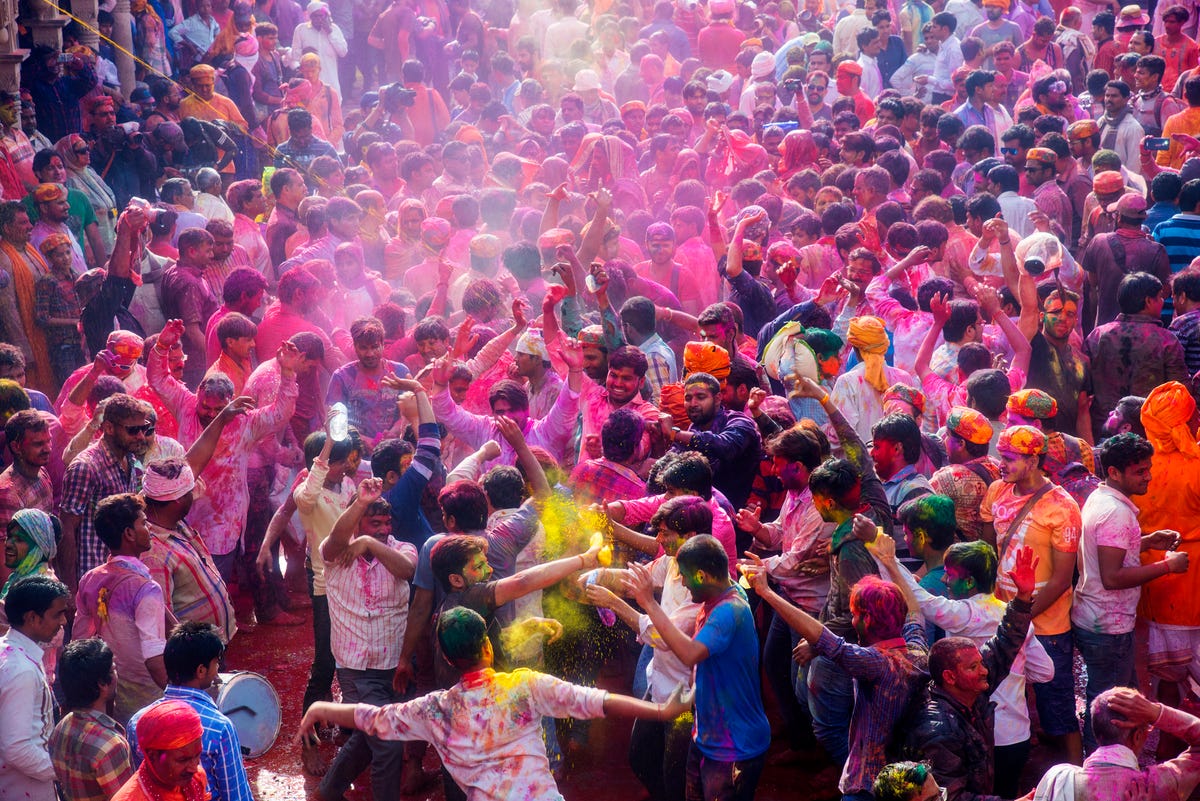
(966, 606)
(1056, 366)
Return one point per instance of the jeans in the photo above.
(710, 780)
(1108, 659)
(831, 700)
(267, 593)
(1056, 698)
(782, 672)
(639, 673)
(320, 675)
(1009, 761)
(658, 755)
(385, 757)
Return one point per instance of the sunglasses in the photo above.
(145, 428)
(1009, 151)
(82, 150)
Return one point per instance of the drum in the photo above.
(252, 704)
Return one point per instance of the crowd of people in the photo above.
(833, 359)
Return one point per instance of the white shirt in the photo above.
(665, 670)
(368, 610)
(1016, 212)
(977, 618)
(949, 58)
(329, 46)
(1110, 519)
(872, 78)
(26, 772)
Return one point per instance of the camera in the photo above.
(1034, 267)
(794, 85)
(395, 97)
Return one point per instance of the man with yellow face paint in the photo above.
(205, 103)
(1057, 366)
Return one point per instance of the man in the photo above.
(859, 392)
(1153, 106)
(194, 36)
(728, 439)
(221, 514)
(171, 736)
(36, 607)
(1041, 171)
(90, 753)
(663, 268)
(227, 254)
(1186, 121)
(978, 109)
(638, 324)
(1110, 257)
(731, 733)
(996, 29)
(242, 292)
(504, 759)
(1004, 182)
(120, 603)
(1112, 572)
(366, 581)
(324, 37)
(192, 657)
(848, 79)
(245, 199)
(531, 360)
(56, 85)
(25, 484)
(187, 297)
(1026, 509)
(23, 265)
(1134, 353)
(288, 188)
(1119, 129)
(1056, 366)
(53, 215)
(887, 666)
(949, 58)
(971, 470)
(106, 467)
(178, 559)
(621, 389)
(302, 146)
(1180, 235)
(206, 103)
(895, 450)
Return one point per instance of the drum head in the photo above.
(252, 704)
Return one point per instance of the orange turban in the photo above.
(670, 400)
(870, 338)
(1025, 440)
(167, 726)
(706, 357)
(1166, 415)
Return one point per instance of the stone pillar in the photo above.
(123, 36)
(45, 24)
(11, 56)
(88, 12)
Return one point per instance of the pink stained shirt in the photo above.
(487, 729)
(220, 514)
(697, 256)
(552, 432)
(640, 510)
(368, 607)
(800, 534)
(595, 407)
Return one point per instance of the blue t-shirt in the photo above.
(730, 722)
(932, 583)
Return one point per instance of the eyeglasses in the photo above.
(79, 151)
(817, 87)
(145, 428)
(1009, 151)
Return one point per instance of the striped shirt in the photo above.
(368, 610)
(1180, 235)
(220, 748)
(90, 756)
(181, 564)
(94, 475)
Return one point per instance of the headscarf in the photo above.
(532, 343)
(743, 156)
(1166, 415)
(622, 162)
(168, 725)
(158, 487)
(906, 394)
(1025, 440)
(245, 52)
(797, 152)
(870, 338)
(969, 424)
(553, 171)
(706, 357)
(36, 528)
(84, 177)
(687, 158)
(1033, 403)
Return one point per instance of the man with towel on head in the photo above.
(859, 392)
(170, 735)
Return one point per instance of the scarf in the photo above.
(1057, 785)
(37, 529)
(84, 177)
(868, 336)
(1165, 416)
(40, 375)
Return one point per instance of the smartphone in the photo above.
(1158, 143)
(65, 58)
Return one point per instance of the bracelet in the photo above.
(582, 562)
(824, 399)
(1005, 242)
(159, 348)
(670, 315)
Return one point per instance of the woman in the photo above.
(602, 161)
(149, 39)
(76, 156)
(797, 152)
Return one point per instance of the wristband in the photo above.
(824, 399)
(1005, 242)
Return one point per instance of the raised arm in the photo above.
(539, 577)
(640, 585)
(939, 307)
(202, 449)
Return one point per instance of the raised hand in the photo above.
(939, 307)
(757, 396)
(289, 357)
(884, 548)
(171, 334)
(520, 311)
(572, 353)
(238, 406)
(831, 290)
(755, 573)
(1024, 572)
(370, 490)
(510, 431)
(748, 519)
(464, 339)
(1133, 709)
(558, 193)
(639, 584)
(393, 381)
(490, 450)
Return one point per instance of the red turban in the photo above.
(167, 726)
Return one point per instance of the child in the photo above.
(58, 307)
(235, 334)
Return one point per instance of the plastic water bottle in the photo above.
(607, 616)
(339, 423)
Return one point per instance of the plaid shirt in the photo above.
(18, 492)
(220, 748)
(90, 756)
(662, 369)
(602, 481)
(55, 297)
(966, 488)
(180, 563)
(94, 475)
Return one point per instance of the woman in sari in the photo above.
(76, 156)
(602, 160)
